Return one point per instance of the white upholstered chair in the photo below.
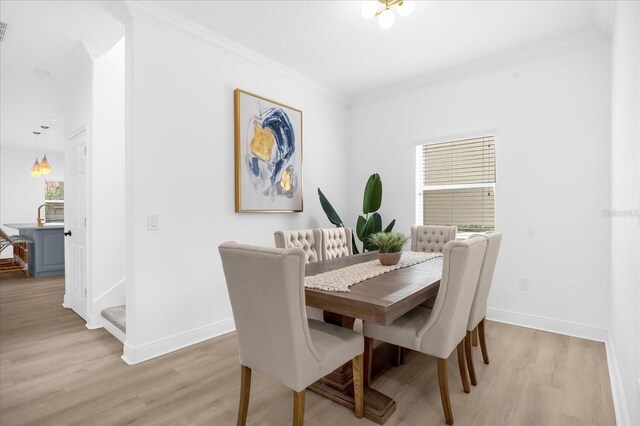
(336, 242)
(308, 240)
(431, 239)
(266, 288)
(440, 330)
(479, 305)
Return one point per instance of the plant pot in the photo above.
(388, 259)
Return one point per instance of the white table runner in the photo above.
(341, 279)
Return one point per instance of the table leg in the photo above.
(338, 385)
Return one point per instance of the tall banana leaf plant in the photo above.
(368, 224)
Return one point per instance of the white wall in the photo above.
(625, 196)
(21, 193)
(95, 98)
(551, 119)
(180, 166)
(107, 182)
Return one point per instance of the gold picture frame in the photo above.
(268, 155)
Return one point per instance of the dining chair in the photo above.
(266, 289)
(336, 242)
(309, 241)
(479, 306)
(430, 238)
(438, 331)
(19, 262)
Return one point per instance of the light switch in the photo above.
(523, 283)
(153, 222)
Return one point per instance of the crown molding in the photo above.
(165, 19)
(478, 68)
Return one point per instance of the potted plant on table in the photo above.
(389, 246)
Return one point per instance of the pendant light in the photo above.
(45, 167)
(35, 169)
(383, 10)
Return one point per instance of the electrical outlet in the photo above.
(153, 222)
(523, 283)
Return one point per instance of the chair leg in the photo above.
(358, 391)
(469, 356)
(463, 368)
(483, 343)
(400, 356)
(444, 390)
(245, 390)
(474, 336)
(298, 408)
(368, 360)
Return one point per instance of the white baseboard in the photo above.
(93, 323)
(617, 391)
(117, 333)
(137, 354)
(567, 328)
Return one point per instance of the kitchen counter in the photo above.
(46, 251)
(20, 226)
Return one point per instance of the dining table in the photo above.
(381, 300)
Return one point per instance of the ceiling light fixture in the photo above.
(370, 9)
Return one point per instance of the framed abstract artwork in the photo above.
(268, 151)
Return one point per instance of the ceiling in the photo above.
(38, 48)
(325, 40)
(330, 42)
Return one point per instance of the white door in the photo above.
(75, 221)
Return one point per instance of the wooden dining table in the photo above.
(379, 300)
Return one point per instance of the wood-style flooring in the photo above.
(55, 371)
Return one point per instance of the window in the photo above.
(456, 184)
(54, 201)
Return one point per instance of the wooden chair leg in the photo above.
(358, 390)
(245, 390)
(469, 355)
(463, 368)
(483, 342)
(298, 408)
(400, 356)
(444, 390)
(474, 336)
(368, 360)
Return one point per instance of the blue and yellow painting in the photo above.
(270, 155)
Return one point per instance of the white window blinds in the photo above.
(458, 184)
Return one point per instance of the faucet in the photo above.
(40, 223)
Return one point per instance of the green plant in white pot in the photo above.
(389, 246)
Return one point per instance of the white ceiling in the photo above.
(326, 40)
(330, 42)
(41, 40)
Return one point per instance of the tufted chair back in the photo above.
(336, 242)
(306, 239)
(431, 239)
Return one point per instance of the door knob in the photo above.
(67, 234)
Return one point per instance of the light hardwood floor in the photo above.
(54, 371)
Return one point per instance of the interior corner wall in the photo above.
(552, 126)
(180, 166)
(107, 181)
(625, 203)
